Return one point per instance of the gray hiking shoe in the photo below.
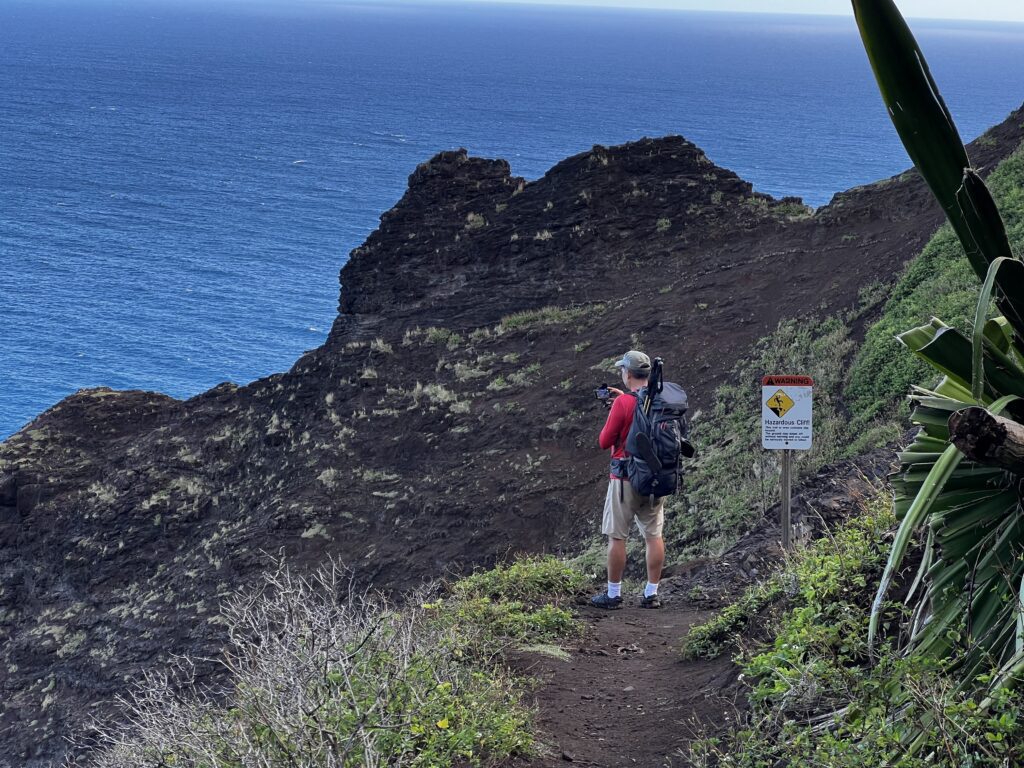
(608, 603)
(650, 602)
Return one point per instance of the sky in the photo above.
(981, 10)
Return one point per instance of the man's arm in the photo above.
(615, 422)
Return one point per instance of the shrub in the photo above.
(448, 338)
(324, 676)
(529, 579)
(815, 697)
(497, 384)
(712, 638)
(525, 601)
(823, 574)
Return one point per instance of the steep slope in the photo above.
(448, 419)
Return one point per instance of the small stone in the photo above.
(628, 688)
(569, 757)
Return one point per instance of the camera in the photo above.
(603, 394)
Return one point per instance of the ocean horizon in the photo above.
(180, 183)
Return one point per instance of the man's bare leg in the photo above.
(617, 559)
(655, 557)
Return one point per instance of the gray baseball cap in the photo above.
(634, 361)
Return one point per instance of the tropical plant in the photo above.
(967, 597)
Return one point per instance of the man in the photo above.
(621, 505)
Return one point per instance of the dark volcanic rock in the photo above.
(426, 434)
(468, 243)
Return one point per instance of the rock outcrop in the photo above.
(448, 419)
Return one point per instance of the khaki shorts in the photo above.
(620, 509)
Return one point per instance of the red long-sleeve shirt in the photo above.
(620, 418)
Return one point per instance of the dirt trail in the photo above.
(624, 697)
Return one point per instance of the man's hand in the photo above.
(613, 392)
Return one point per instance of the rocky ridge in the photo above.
(447, 420)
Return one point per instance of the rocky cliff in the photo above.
(448, 419)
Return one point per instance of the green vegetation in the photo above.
(466, 371)
(850, 680)
(815, 695)
(530, 579)
(792, 210)
(535, 318)
(757, 205)
(968, 612)
(525, 376)
(521, 378)
(444, 336)
(860, 391)
(524, 602)
(497, 384)
(733, 479)
(714, 637)
(320, 676)
(819, 582)
(939, 283)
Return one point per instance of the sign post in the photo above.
(786, 422)
(786, 513)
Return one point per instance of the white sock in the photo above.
(650, 589)
(614, 589)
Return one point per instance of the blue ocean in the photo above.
(180, 182)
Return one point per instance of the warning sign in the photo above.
(780, 403)
(786, 412)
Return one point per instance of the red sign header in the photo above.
(787, 381)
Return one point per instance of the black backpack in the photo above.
(658, 437)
